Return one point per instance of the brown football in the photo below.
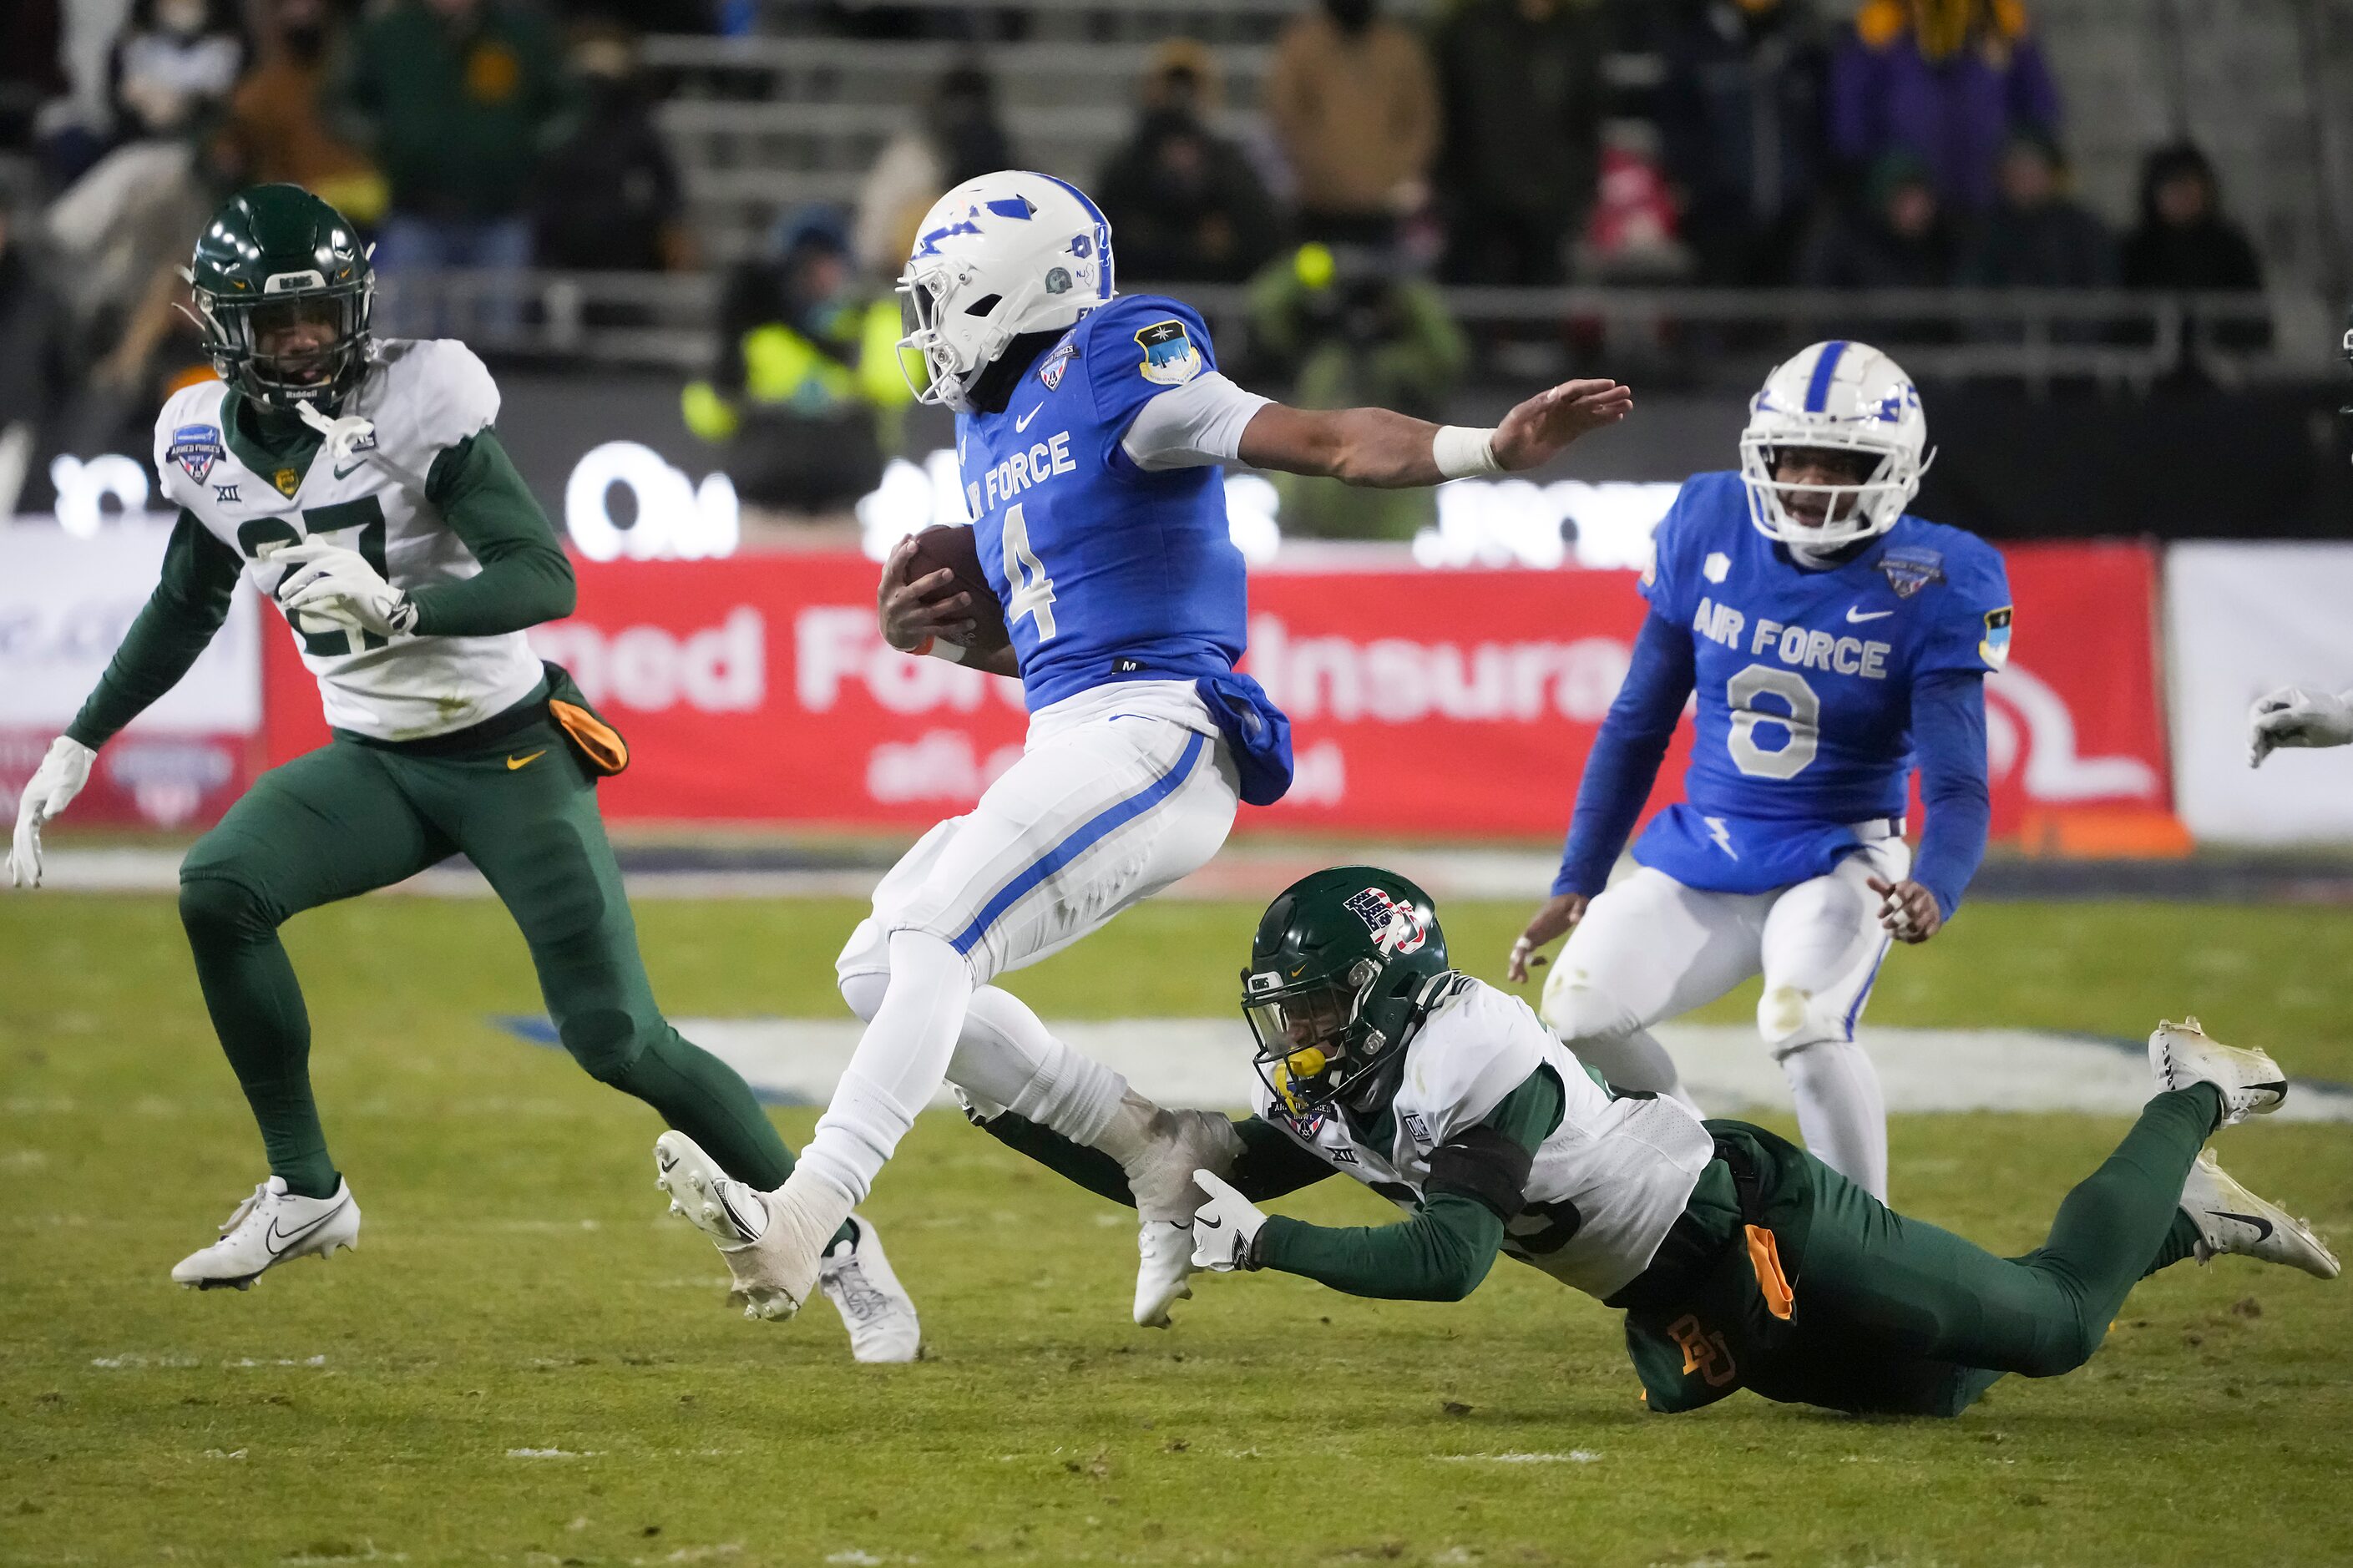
(952, 548)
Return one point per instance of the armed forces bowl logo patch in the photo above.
(1170, 357)
(1910, 569)
(1995, 649)
(196, 448)
(1397, 927)
(1058, 363)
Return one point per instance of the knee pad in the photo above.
(1575, 1008)
(864, 990)
(1790, 1019)
(605, 1041)
(218, 906)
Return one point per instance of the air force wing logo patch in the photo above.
(1910, 569)
(196, 448)
(1170, 357)
(1995, 649)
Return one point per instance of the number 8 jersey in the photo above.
(1109, 569)
(1804, 677)
(427, 400)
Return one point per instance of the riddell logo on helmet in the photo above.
(1397, 927)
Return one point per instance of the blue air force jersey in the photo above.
(1804, 678)
(1106, 571)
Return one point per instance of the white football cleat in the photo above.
(2182, 1054)
(1166, 1246)
(2230, 1218)
(268, 1228)
(735, 1216)
(856, 1277)
(1161, 1179)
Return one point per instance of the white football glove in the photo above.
(329, 580)
(60, 777)
(1225, 1228)
(2294, 717)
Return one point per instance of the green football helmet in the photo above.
(1339, 968)
(283, 292)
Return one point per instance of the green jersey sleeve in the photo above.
(525, 577)
(1446, 1249)
(1270, 1164)
(190, 601)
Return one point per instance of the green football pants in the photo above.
(352, 816)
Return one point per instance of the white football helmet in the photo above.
(1005, 254)
(1845, 395)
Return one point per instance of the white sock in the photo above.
(1634, 1061)
(1006, 1054)
(900, 1063)
(1840, 1111)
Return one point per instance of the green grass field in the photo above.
(528, 1363)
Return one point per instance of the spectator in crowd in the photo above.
(1520, 85)
(1349, 327)
(1740, 120)
(458, 101)
(34, 364)
(609, 199)
(2035, 236)
(169, 78)
(958, 139)
(275, 133)
(2185, 242)
(1899, 239)
(805, 393)
(1946, 80)
(32, 70)
(1353, 106)
(1186, 203)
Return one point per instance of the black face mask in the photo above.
(1350, 16)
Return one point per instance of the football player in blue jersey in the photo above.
(1090, 427)
(1833, 642)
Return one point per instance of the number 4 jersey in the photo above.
(424, 399)
(1804, 681)
(1113, 567)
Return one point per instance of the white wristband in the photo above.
(1461, 452)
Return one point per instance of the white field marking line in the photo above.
(1205, 1062)
(553, 1453)
(1574, 1457)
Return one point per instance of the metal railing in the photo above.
(1707, 338)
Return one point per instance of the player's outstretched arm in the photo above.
(1384, 450)
(2294, 717)
(190, 601)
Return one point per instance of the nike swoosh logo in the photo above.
(2262, 1227)
(742, 1221)
(514, 763)
(1854, 613)
(1209, 1224)
(278, 1241)
(1023, 423)
(347, 473)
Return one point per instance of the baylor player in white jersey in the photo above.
(1740, 1260)
(359, 484)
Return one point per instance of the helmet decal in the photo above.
(1397, 927)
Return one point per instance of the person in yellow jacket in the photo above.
(805, 393)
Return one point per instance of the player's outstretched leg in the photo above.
(1821, 950)
(326, 826)
(1918, 1289)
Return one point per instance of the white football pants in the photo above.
(1650, 948)
(1100, 812)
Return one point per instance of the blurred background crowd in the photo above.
(1373, 201)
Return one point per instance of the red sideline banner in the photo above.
(1425, 703)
